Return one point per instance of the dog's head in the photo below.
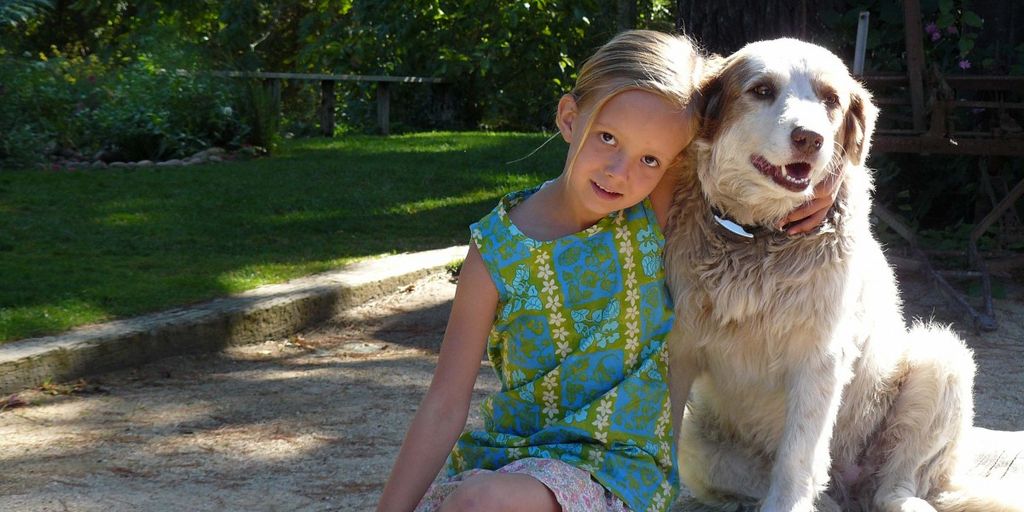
(778, 118)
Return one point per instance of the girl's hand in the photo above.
(809, 216)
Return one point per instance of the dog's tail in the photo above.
(981, 495)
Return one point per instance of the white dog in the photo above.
(806, 378)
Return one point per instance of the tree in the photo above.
(725, 26)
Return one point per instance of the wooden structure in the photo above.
(328, 97)
(932, 101)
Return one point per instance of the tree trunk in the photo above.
(626, 14)
(725, 26)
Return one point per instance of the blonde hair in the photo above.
(668, 65)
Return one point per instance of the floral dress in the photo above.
(578, 347)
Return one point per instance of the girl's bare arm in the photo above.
(809, 216)
(442, 414)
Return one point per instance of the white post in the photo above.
(862, 43)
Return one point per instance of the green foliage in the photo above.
(134, 111)
(262, 111)
(951, 31)
(13, 12)
(507, 66)
(936, 193)
(506, 63)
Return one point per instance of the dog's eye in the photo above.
(607, 138)
(650, 161)
(831, 99)
(763, 91)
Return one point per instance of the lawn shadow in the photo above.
(104, 244)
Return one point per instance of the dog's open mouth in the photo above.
(794, 177)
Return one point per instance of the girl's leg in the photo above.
(501, 492)
(526, 484)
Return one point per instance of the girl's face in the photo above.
(634, 138)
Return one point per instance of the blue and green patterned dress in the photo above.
(578, 346)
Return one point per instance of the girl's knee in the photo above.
(498, 492)
(480, 492)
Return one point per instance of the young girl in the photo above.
(563, 287)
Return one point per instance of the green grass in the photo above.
(88, 246)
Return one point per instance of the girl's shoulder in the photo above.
(497, 225)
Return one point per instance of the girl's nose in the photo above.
(616, 167)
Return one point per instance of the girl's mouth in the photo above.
(603, 192)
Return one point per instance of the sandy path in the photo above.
(310, 423)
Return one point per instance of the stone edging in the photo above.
(269, 311)
(74, 161)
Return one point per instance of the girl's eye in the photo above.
(650, 161)
(607, 138)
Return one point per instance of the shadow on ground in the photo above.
(312, 422)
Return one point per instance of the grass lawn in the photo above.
(88, 246)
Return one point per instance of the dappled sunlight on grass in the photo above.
(442, 202)
(54, 317)
(94, 245)
(251, 276)
(301, 216)
(426, 142)
(125, 219)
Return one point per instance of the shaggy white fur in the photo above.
(809, 391)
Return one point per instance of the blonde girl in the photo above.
(563, 288)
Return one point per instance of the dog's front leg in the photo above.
(682, 371)
(802, 459)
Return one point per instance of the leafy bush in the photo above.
(261, 108)
(134, 111)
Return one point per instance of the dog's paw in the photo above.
(907, 505)
(825, 503)
(771, 504)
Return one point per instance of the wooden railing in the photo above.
(929, 129)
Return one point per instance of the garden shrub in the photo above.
(131, 111)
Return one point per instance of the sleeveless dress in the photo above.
(578, 347)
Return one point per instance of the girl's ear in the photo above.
(568, 112)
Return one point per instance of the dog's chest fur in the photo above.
(771, 291)
(748, 313)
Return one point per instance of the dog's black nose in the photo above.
(806, 141)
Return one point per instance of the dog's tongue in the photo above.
(799, 170)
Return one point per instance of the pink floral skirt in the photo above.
(572, 487)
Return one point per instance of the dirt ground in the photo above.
(309, 423)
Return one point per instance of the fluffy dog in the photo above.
(806, 377)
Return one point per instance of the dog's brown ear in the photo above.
(859, 124)
(715, 92)
(710, 103)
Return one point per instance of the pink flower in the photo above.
(936, 36)
(931, 28)
(952, 30)
(965, 64)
